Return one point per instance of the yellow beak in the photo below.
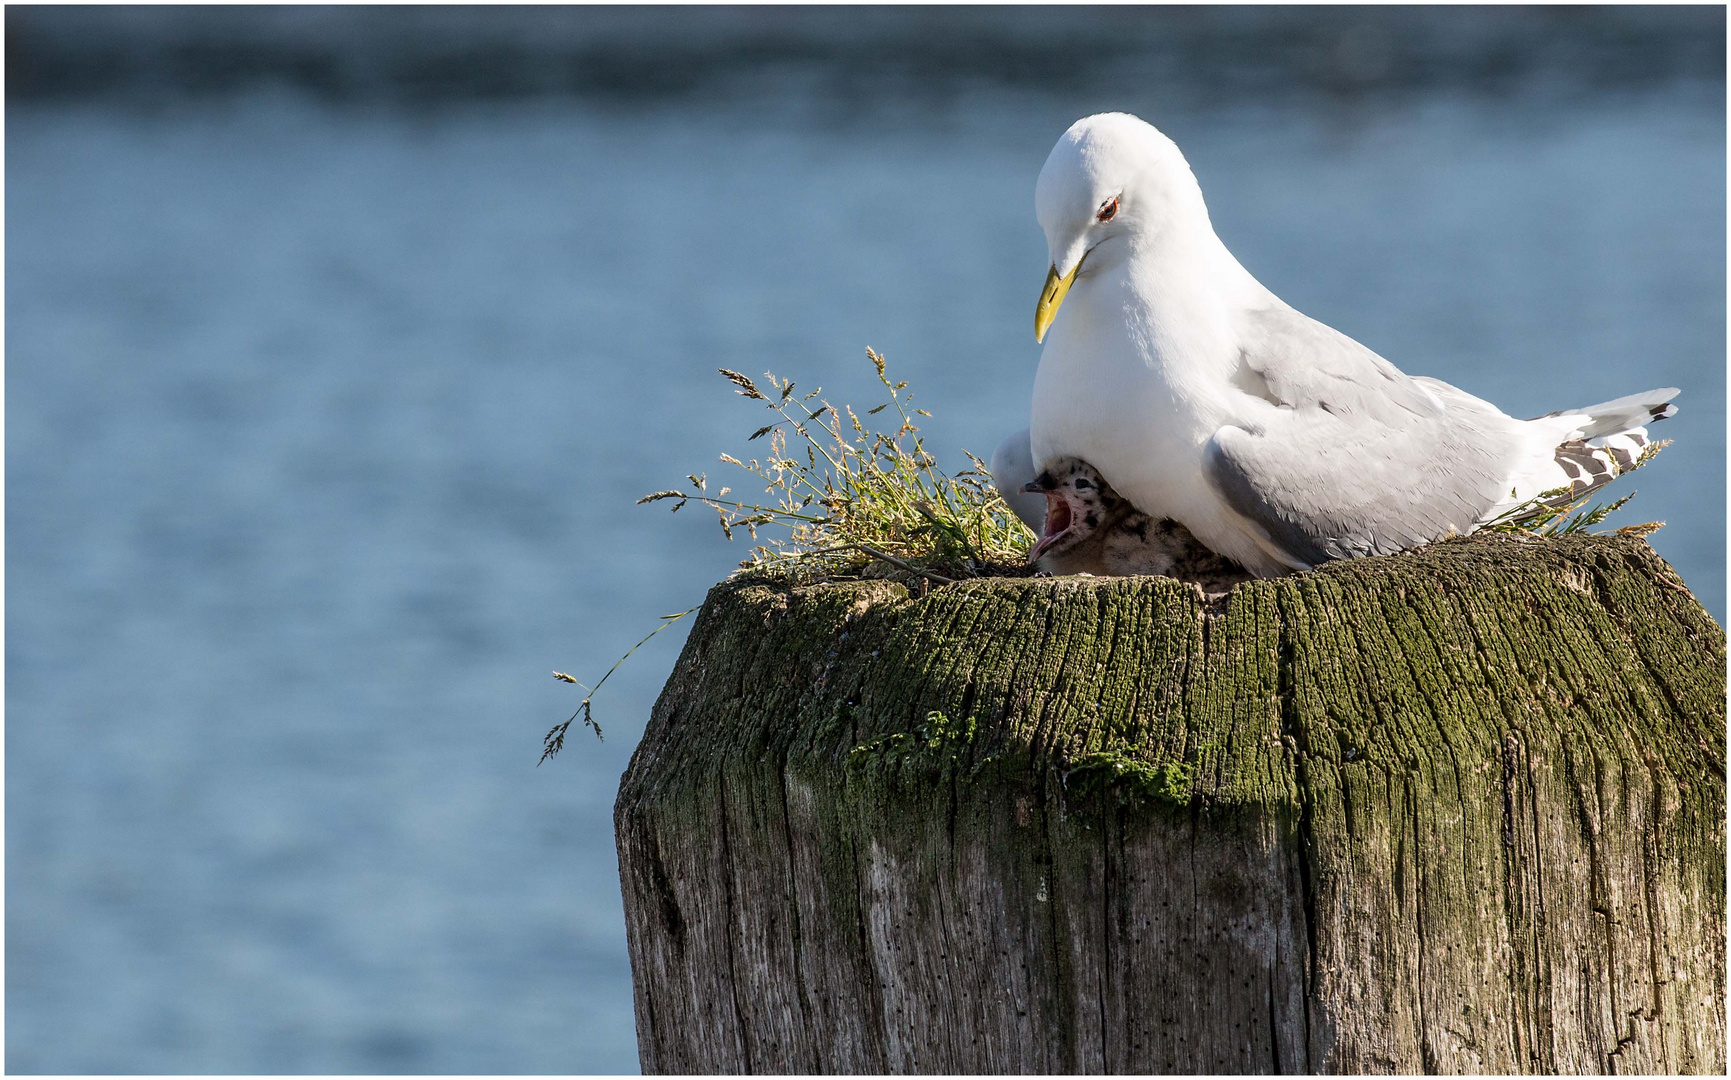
(1052, 298)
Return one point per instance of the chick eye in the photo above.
(1083, 485)
(1108, 209)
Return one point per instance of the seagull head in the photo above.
(1111, 182)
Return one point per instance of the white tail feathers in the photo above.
(1581, 450)
(1625, 414)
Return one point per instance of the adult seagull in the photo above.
(1201, 397)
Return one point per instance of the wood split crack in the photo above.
(1292, 728)
(804, 1016)
(735, 970)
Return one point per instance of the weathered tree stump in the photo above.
(1461, 810)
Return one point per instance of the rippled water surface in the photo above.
(324, 426)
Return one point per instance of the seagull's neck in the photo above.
(1192, 294)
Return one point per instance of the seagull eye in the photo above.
(1108, 209)
(1082, 485)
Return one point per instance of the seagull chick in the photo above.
(1276, 441)
(1091, 529)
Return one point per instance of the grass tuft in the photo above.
(841, 493)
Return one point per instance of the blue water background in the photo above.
(325, 422)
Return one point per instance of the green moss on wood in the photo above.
(936, 745)
(1168, 783)
(1070, 674)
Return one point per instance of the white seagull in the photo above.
(1201, 397)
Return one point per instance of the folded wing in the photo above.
(1356, 458)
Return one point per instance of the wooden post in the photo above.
(1460, 810)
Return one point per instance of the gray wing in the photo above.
(1013, 466)
(1357, 458)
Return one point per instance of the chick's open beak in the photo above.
(1058, 522)
(1052, 298)
(1058, 515)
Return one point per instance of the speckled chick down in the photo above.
(1091, 529)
